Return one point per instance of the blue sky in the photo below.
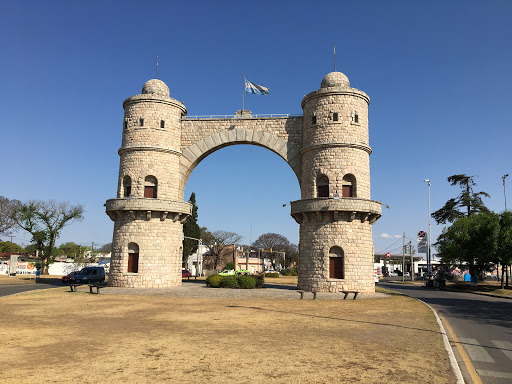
(438, 74)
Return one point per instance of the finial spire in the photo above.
(156, 66)
(334, 57)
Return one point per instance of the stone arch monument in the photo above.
(327, 149)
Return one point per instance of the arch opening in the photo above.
(336, 263)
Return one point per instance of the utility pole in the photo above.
(403, 260)
(412, 261)
(504, 191)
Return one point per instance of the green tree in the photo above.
(471, 242)
(8, 247)
(7, 208)
(44, 220)
(468, 200)
(105, 248)
(505, 245)
(71, 250)
(190, 229)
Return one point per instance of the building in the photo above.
(327, 148)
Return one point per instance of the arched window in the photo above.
(348, 186)
(127, 186)
(322, 186)
(133, 258)
(336, 263)
(150, 187)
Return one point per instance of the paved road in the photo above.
(481, 324)
(6, 290)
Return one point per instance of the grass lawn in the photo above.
(490, 287)
(79, 337)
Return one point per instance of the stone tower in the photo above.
(327, 148)
(335, 212)
(148, 212)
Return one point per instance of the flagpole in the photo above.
(243, 96)
(334, 57)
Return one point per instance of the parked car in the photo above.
(393, 274)
(227, 272)
(243, 272)
(185, 273)
(376, 278)
(68, 278)
(89, 275)
(407, 274)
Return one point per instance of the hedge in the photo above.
(240, 281)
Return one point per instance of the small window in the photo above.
(141, 122)
(335, 116)
(162, 123)
(127, 186)
(356, 118)
(348, 186)
(313, 119)
(125, 125)
(322, 186)
(133, 258)
(150, 187)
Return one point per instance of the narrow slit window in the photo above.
(356, 118)
(335, 116)
(162, 123)
(141, 122)
(313, 119)
(125, 125)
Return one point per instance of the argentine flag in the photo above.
(250, 87)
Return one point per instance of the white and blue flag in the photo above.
(250, 87)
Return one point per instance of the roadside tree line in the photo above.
(477, 238)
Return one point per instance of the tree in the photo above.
(218, 243)
(472, 242)
(504, 253)
(105, 248)
(468, 199)
(271, 243)
(8, 247)
(191, 229)
(71, 250)
(7, 207)
(44, 220)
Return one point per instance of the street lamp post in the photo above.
(504, 191)
(429, 260)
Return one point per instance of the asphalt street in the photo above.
(482, 326)
(6, 290)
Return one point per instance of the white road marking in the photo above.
(504, 346)
(504, 375)
(475, 351)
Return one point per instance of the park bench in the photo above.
(98, 286)
(302, 294)
(72, 287)
(348, 292)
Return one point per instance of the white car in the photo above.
(393, 274)
(376, 278)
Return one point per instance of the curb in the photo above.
(447, 346)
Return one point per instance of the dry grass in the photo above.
(16, 280)
(79, 337)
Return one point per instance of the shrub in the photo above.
(230, 266)
(214, 281)
(272, 274)
(229, 282)
(246, 282)
(259, 280)
(288, 272)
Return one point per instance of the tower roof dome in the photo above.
(335, 79)
(155, 86)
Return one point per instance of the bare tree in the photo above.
(44, 220)
(7, 208)
(218, 242)
(271, 244)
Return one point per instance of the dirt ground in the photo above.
(59, 336)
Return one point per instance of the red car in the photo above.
(68, 278)
(185, 273)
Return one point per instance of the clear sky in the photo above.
(438, 74)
